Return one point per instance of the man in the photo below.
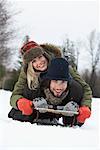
(62, 90)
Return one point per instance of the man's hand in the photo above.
(71, 106)
(40, 102)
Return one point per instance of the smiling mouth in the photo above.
(58, 92)
(41, 66)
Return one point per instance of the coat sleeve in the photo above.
(18, 89)
(87, 93)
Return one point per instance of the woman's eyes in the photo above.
(40, 56)
(33, 61)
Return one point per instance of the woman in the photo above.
(36, 60)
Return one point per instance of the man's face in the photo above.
(40, 63)
(58, 87)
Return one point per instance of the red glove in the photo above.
(84, 113)
(25, 106)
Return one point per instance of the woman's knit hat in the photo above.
(30, 51)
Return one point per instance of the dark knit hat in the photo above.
(31, 50)
(58, 70)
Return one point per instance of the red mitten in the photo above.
(25, 106)
(84, 113)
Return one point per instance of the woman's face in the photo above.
(40, 63)
(58, 87)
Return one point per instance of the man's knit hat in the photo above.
(30, 51)
(58, 70)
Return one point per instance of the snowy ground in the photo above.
(16, 135)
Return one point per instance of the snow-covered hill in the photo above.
(16, 135)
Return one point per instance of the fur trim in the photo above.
(50, 48)
(32, 53)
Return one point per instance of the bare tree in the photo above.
(71, 52)
(94, 50)
(5, 31)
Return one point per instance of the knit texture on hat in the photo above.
(58, 70)
(26, 47)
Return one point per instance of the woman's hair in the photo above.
(32, 77)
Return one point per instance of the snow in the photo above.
(15, 135)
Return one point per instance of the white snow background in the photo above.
(15, 135)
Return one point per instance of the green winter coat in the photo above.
(22, 81)
(87, 92)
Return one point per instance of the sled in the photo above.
(56, 111)
(50, 123)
